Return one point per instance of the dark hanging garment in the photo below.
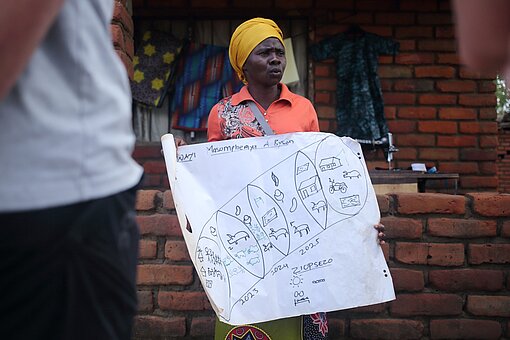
(360, 107)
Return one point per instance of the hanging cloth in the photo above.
(153, 67)
(204, 76)
(360, 107)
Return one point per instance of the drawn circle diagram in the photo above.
(343, 174)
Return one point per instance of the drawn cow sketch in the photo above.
(352, 174)
(301, 228)
(237, 237)
(278, 233)
(319, 205)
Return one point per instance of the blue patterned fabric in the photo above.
(360, 107)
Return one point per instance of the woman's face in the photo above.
(266, 63)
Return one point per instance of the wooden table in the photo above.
(409, 176)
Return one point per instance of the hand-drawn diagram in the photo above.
(283, 217)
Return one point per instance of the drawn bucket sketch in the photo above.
(282, 225)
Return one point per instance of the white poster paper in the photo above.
(281, 225)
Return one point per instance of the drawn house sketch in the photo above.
(256, 240)
(309, 187)
(330, 163)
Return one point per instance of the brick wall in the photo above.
(122, 33)
(440, 113)
(449, 256)
(504, 160)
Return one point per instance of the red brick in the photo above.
(145, 303)
(386, 329)
(426, 304)
(461, 228)
(489, 253)
(439, 154)
(487, 113)
(149, 327)
(464, 329)
(168, 300)
(478, 182)
(468, 73)
(395, 72)
(459, 167)
(434, 18)
(405, 153)
(117, 36)
(328, 84)
(414, 140)
(397, 227)
(377, 308)
(505, 229)
(437, 99)
(448, 58)
(394, 19)
(126, 61)
(325, 112)
(407, 45)
(473, 154)
(322, 70)
(488, 141)
(390, 112)
(202, 326)
(168, 200)
(456, 141)
(457, 113)
(414, 59)
(486, 86)
(414, 32)
(147, 151)
(407, 280)
(491, 204)
(489, 305)
(384, 203)
(445, 32)
(437, 45)
(176, 251)
(147, 249)
(458, 280)
(477, 99)
(121, 15)
(414, 85)
(488, 168)
(146, 199)
(336, 327)
(402, 126)
(159, 225)
(437, 127)
(154, 167)
(434, 72)
(399, 98)
(418, 6)
(322, 97)
(440, 254)
(430, 203)
(162, 274)
(456, 86)
(417, 112)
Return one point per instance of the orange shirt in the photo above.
(231, 117)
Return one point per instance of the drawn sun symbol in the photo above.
(296, 281)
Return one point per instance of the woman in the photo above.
(257, 54)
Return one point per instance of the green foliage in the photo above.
(503, 100)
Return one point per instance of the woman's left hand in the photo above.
(380, 236)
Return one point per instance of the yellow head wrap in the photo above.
(246, 37)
